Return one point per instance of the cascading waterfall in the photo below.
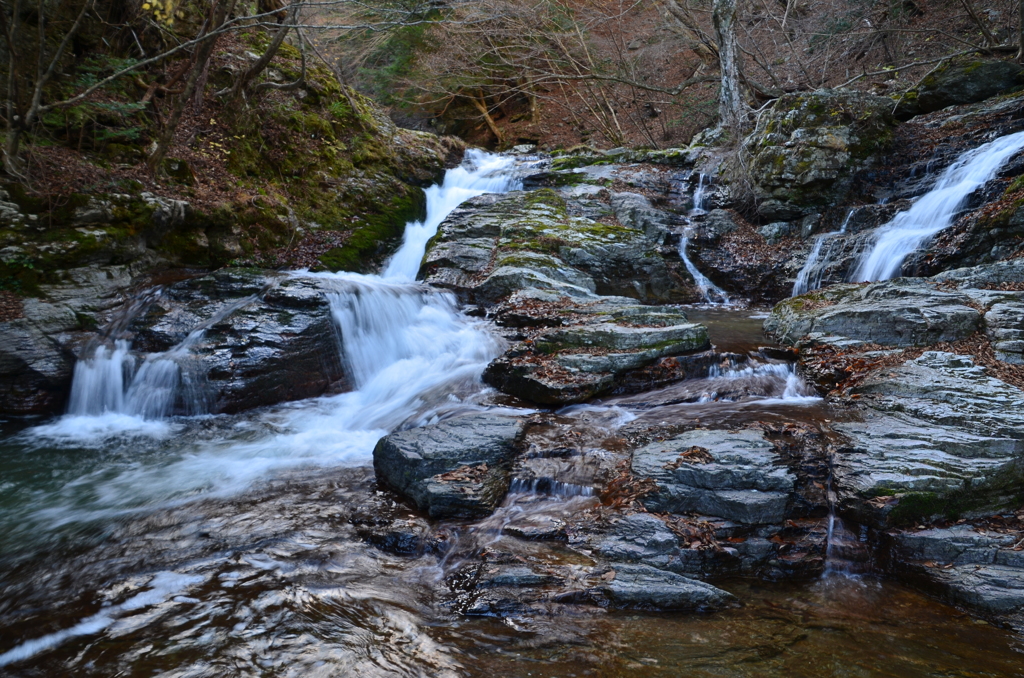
(710, 293)
(372, 313)
(804, 280)
(935, 210)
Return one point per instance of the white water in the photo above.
(935, 210)
(710, 293)
(804, 282)
(412, 355)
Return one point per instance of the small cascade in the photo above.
(846, 553)
(116, 382)
(698, 195)
(710, 293)
(935, 210)
(808, 280)
(479, 173)
(549, 487)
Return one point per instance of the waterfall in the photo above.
(479, 173)
(935, 210)
(804, 281)
(710, 293)
(394, 333)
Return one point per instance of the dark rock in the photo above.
(640, 586)
(961, 82)
(457, 468)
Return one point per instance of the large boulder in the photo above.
(457, 468)
(252, 339)
(965, 81)
(494, 246)
(805, 150)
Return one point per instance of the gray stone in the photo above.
(640, 586)
(965, 566)
(742, 482)
(901, 312)
(938, 438)
(455, 468)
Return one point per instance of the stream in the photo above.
(133, 543)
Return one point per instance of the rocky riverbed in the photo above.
(561, 428)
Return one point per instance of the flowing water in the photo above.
(811, 275)
(710, 293)
(238, 545)
(935, 210)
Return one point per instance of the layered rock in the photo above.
(457, 468)
(732, 475)
(606, 340)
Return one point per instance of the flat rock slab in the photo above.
(734, 475)
(938, 438)
(641, 586)
(902, 312)
(580, 362)
(457, 468)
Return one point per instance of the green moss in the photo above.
(376, 236)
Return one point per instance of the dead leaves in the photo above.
(692, 455)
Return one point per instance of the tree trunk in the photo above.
(12, 144)
(732, 109)
(481, 105)
(204, 51)
(275, 44)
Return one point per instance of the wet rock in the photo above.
(640, 586)
(938, 438)
(901, 312)
(731, 475)
(980, 571)
(961, 82)
(807, 147)
(254, 339)
(579, 362)
(496, 246)
(38, 350)
(457, 468)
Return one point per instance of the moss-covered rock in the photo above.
(806, 148)
(962, 81)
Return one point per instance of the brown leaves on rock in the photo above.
(10, 306)
(465, 474)
(692, 455)
(625, 490)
